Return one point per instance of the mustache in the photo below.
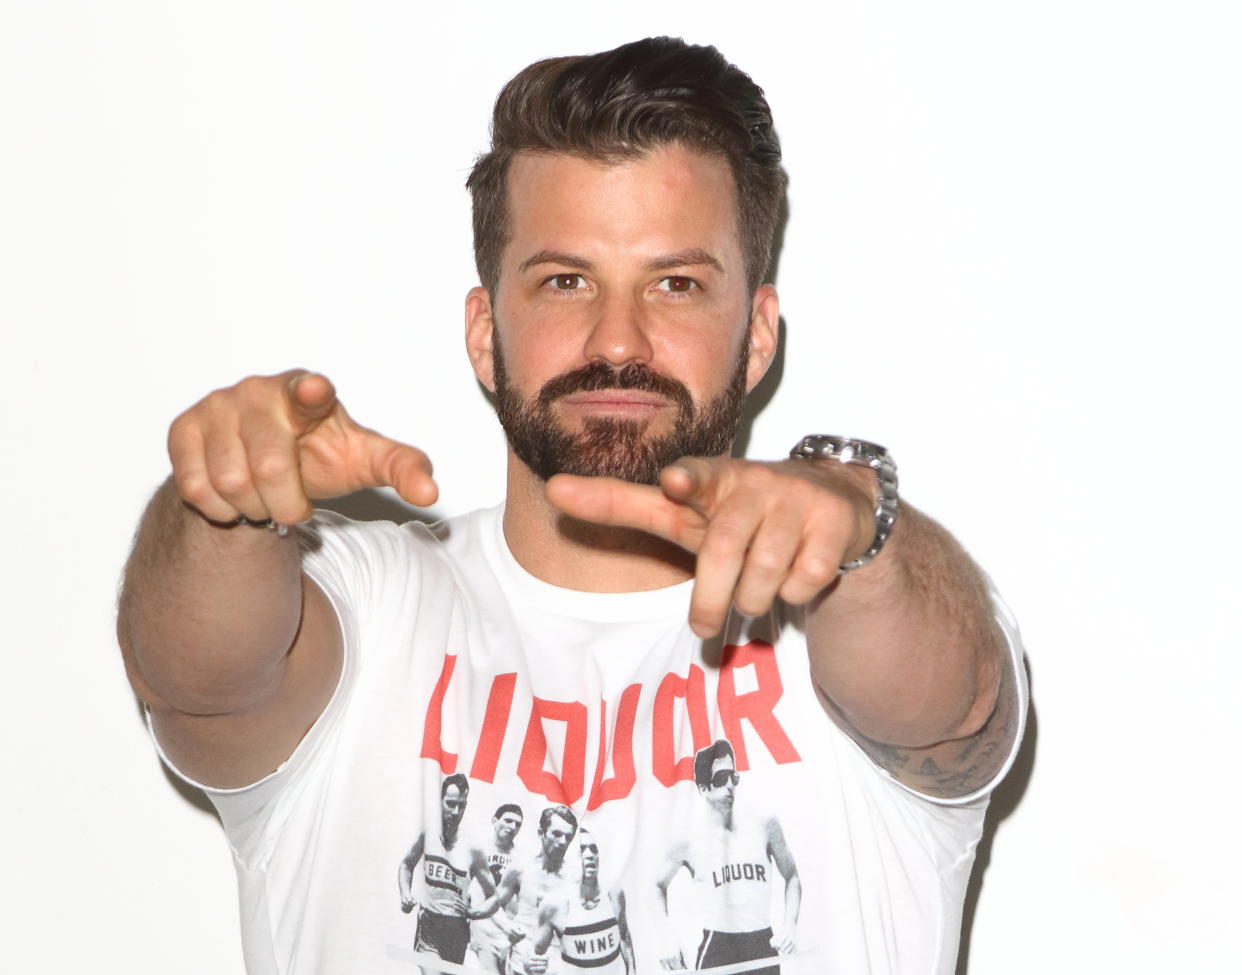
(600, 375)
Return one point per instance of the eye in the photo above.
(566, 282)
(677, 284)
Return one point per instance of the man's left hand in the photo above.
(759, 530)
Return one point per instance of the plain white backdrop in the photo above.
(1012, 255)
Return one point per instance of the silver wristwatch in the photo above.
(865, 454)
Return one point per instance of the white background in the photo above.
(1012, 255)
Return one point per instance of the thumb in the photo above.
(405, 468)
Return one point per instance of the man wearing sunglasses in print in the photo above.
(734, 863)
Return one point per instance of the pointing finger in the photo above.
(695, 481)
(311, 397)
(622, 504)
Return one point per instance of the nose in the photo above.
(619, 332)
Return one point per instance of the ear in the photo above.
(479, 327)
(765, 318)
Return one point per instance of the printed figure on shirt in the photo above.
(492, 937)
(547, 876)
(734, 862)
(449, 863)
(589, 924)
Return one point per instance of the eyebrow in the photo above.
(556, 257)
(694, 257)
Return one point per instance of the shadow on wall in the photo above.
(1005, 800)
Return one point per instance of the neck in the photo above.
(574, 554)
(590, 888)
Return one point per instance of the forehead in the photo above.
(454, 792)
(723, 762)
(557, 824)
(670, 200)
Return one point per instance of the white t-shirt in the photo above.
(459, 661)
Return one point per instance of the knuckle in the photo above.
(816, 570)
(768, 562)
(181, 427)
(271, 466)
(232, 481)
(193, 487)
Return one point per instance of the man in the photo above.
(490, 937)
(639, 594)
(731, 862)
(448, 866)
(589, 925)
(545, 877)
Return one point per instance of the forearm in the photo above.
(907, 647)
(793, 901)
(207, 613)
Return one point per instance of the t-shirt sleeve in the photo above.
(354, 564)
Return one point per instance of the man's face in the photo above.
(555, 839)
(720, 788)
(452, 806)
(590, 856)
(622, 335)
(507, 824)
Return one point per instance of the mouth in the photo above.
(622, 401)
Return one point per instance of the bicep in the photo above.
(238, 748)
(778, 850)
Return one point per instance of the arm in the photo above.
(233, 650)
(778, 850)
(908, 658)
(904, 652)
(405, 873)
(480, 872)
(670, 953)
(627, 946)
(551, 921)
(509, 887)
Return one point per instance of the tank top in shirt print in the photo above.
(592, 936)
(734, 875)
(446, 874)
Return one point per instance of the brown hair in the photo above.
(620, 105)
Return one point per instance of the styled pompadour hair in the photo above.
(620, 105)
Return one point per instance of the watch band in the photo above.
(846, 450)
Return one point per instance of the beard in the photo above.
(609, 446)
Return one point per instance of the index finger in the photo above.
(694, 481)
(622, 504)
(311, 396)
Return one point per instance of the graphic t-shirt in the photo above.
(719, 797)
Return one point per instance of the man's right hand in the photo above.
(270, 445)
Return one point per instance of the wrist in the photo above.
(859, 460)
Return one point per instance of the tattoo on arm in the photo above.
(951, 768)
